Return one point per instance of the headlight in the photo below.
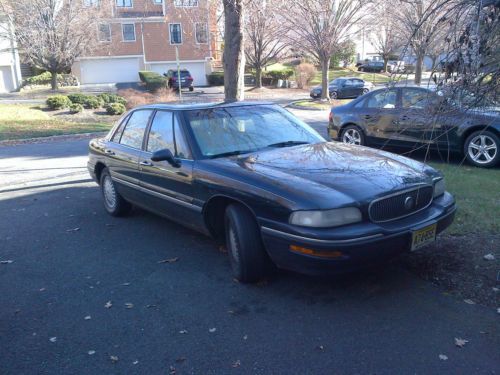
(327, 218)
(439, 188)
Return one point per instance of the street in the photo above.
(82, 292)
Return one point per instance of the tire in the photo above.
(114, 203)
(334, 95)
(353, 135)
(482, 149)
(248, 257)
(365, 91)
(191, 88)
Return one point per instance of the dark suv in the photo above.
(372, 66)
(173, 79)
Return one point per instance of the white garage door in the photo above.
(197, 70)
(6, 79)
(109, 70)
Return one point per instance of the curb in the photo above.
(53, 138)
(293, 106)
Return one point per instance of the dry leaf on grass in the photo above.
(469, 301)
(6, 261)
(460, 342)
(108, 305)
(113, 358)
(236, 363)
(91, 352)
(73, 230)
(443, 357)
(88, 317)
(212, 330)
(170, 260)
(53, 339)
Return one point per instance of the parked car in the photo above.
(268, 186)
(413, 118)
(372, 66)
(173, 79)
(346, 87)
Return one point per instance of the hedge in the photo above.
(93, 102)
(216, 79)
(111, 98)
(75, 108)
(115, 109)
(58, 102)
(78, 98)
(153, 80)
(46, 78)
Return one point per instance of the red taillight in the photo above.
(189, 78)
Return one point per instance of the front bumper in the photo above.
(361, 245)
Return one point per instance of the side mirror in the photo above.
(166, 155)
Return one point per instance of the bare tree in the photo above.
(384, 35)
(52, 34)
(419, 22)
(320, 27)
(234, 55)
(264, 30)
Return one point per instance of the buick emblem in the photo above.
(409, 203)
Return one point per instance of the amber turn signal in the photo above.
(316, 253)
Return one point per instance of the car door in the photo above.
(123, 152)
(169, 188)
(378, 114)
(348, 89)
(419, 121)
(357, 87)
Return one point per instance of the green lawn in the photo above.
(20, 121)
(374, 78)
(477, 192)
(320, 105)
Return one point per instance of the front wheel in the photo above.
(114, 203)
(334, 95)
(482, 149)
(352, 135)
(248, 257)
(365, 91)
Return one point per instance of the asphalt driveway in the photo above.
(84, 293)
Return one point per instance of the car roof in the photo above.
(183, 106)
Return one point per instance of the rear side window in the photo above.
(133, 134)
(416, 99)
(383, 99)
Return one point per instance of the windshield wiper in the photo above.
(288, 143)
(229, 153)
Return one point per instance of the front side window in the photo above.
(124, 3)
(165, 133)
(246, 128)
(175, 33)
(201, 32)
(104, 32)
(383, 99)
(186, 3)
(128, 31)
(133, 134)
(415, 99)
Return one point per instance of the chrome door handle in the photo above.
(109, 152)
(146, 163)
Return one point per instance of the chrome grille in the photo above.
(401, 204)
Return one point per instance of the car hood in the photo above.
(331, 174)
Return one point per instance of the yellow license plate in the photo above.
(423, 237)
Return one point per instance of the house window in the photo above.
(104, 32)
(124, 3)
(128, 31)
(201, 32)
(186, 3)
(175, 33)
(91, 3)
(158, 1)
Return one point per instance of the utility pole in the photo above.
(178, 71)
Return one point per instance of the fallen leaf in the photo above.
(181, 359)
(113, 358)
(135, 362)
(443, 357)
(320, 347)
(489, 257)
(129, 305)
(469, 301)
(88, 317)
(183, 331)
(460, 342)
(245, 337)
(172, 370)
(41, 289)
(73, 230)
(126, 284)
(230, 311)
(212, 330)
(108, 304)
(170, 260)
(91, 352)
(53, 339)
(236, 363)
(6, 261)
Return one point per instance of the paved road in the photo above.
(190, 317)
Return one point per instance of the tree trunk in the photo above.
(53, 81)
(325, 92)
(258, 78)
(234, 56)
(418, 68)
(386, 60)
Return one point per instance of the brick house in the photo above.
(142, 35)
(10, 69)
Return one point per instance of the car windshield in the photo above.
(336, 82)
(237, 130)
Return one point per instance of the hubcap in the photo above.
(482, 149)
(109, 192)
(233, 245)
(352, 136)
(333, 95)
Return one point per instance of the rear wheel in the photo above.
(334, 95)
(248, 257)
(114, 203)
(365, 91)
(352, 135)
(482, 149)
